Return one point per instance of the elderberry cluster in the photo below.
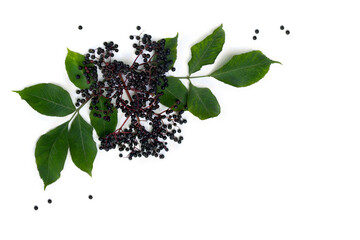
(134, 90)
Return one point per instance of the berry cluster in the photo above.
(134, 90)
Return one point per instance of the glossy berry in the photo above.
(36, 208)
(80, 27)
(254, 37)
(90, 197)
(49, 201)
(287, 32)
(138, 28)
(256, 31)
(135, 90)
(282, 27)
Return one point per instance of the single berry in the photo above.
(77, 76)
(138, 28)
(49, 201)
(256, 31)
(287, 32)
(36, 208)
(282, 27)
(254, 37)
(90, 197)
(80, 27)
(131, 37)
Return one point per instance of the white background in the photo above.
(281, 161)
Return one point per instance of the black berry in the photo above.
(49, 201)
(138, 28)
(282, 27)
(134, 89)
(256, 31)
(287, 32)
(90, 197)
(254, 37)
(80, 27)
(36, 208)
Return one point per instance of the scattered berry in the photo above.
(282, 27)
(256, 31)
(287, 32)
(254, 37)
(80, 27)
(49, 201)
(138, 28)
(36, 208)
(90, 197)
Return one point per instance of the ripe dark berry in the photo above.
(138, 28)
(80, 67)
(77, 76)
(287, 32)
(133, 89)
(90, 197)
(49, 201)
(282, 27)
(256, 31)
(80, 27)
(254, 37)
(36, 208)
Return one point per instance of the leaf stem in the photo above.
(188, 77)
(78, 109)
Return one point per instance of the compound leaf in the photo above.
(103, 127)
(72, 62)
(50, 153)
(202, 103)
(48, 99)
(82, 146)
(175, 90)
(206, 51)
(244, 69)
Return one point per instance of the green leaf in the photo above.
(48, 99)
(82, 146)
(244, 69)
(72, 62)
(171, 43)
(175, 90)
(50, 153)
(202, 103)
(101, 126)
(206, 51)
